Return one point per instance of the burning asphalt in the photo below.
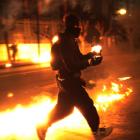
(111, 95)
(21, 121)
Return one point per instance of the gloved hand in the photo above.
(90, 55)
(95, 60)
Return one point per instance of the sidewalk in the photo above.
(14, 64)
(20, 66)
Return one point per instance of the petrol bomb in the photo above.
(97, 56)
(97, 49)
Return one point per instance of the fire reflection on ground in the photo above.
(20, 122)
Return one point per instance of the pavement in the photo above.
(15, 64)
(123, 116)
(20, 66)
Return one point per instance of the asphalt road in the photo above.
(24, 85)
(123, 116)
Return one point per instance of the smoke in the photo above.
(51, 6)
(11, 10)
(73, 3)
(87, 5)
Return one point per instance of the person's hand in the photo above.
(90, 55)
(95, 60)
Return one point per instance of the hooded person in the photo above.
(70, 62)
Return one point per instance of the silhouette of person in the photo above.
(71, 87)
(14, 50)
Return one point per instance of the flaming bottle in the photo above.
(96, 50)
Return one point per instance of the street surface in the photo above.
(27, 87)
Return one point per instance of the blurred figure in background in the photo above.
(14, 51)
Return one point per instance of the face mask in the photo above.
(75, 31)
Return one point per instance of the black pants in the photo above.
(72, 94)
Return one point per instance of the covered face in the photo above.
(72, 25)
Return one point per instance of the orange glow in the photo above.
(109, 98)
(20, 122)
(3, 52)
(122, 11)
(8, 65)
(10, 95)
(112, 93)
(30, 52)
(55, 39)
(45, 57)
(124, 78)
(115, 87)
(97, 49)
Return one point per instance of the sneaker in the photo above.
(41, 132)
(102, 132)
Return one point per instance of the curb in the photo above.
(14, 65)
(20, 67)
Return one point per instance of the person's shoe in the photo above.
(102, 132)
(41, 132)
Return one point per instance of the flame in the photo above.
(45, 57)
(96, 48)
(124, 78)
(8, 65)
(20, 122)
(55, 39)
(122, 11)
(115, 87)
(10, 95)
(28, 52)
(112, 93)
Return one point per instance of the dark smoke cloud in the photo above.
(10, 12)
(53, 5)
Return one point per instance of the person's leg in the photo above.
(13, 56)
(85, 104)
(63, 108)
